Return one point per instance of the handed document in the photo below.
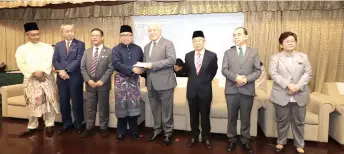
(142, 65)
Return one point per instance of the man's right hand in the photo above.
(138, 70)
(240, 80)
(91, 83)
(63, 74)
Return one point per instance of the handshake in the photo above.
(241, 80)
(140, 67)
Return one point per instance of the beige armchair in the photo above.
(13, 105)
(317, 117)
(337, 117)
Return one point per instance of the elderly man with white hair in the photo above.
(159, 59)
(67, 58)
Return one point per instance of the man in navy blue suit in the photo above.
(67, 57)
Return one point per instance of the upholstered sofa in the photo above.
(218, 112)
(337, 117)
(13, 105)
(317, 117)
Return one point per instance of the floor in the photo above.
(71, 143)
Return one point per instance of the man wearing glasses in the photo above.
(96, 69)
(127, 83)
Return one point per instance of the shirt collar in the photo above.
(242, 47)
(99, 47)
(287, 54)
(201, 52)
(157, 41)
(69, 41)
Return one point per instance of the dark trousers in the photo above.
(66, 93)
(197, 106)
(236, 103)
(122, 125)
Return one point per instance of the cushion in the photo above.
(17, 101)
(311, 118)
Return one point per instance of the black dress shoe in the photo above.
(28, 132)
(87, 133)
(49, 131)
(208, 144)
(248, 147)
(65, 130)
(231, 146)
(192, 141)
(119, 138)
(136, 136)
(104, 132)
(153, 137)
(167, 141)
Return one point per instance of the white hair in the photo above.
(64, 25)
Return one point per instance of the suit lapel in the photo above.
(156, 47)
(247, 52)
(285, 63)
(192, 62)
(89, 57)
(205, 61)
(102, 54)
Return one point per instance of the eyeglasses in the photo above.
(95, 35)
(289, 41)
(125, 35)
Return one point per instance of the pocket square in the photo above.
(104, 56)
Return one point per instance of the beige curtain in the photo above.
(320, 36)
(318, 24)
(50, 33)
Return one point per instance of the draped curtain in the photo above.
(318, 24)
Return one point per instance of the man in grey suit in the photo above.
(241, 67)
(97, 69)
(160, 57)
(291, 72)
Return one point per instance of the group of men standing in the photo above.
(95, 66)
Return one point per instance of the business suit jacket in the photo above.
(231, 66)
(163, 58)
(299, 73)
(104, 69)
(201, 83)
(70, 61)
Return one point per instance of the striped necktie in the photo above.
(198, 63)
(94, 63)
(68, 45)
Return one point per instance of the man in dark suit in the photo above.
(201, 67)
(96, 69)
(241, 67)
(67, 57)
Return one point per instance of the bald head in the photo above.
(154, 32)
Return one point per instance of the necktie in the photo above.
(198, 63)
(150, 53)
(241, 55)
(68, 45)
(94, 63)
